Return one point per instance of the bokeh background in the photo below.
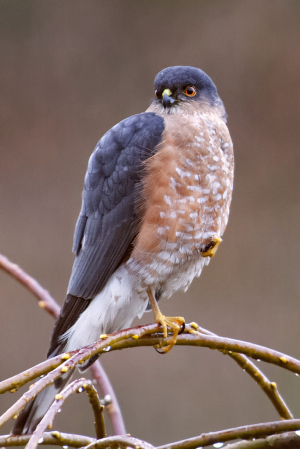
(72, 69)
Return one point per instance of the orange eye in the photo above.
(190, 91)
(156, 93)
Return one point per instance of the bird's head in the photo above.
(185, 89)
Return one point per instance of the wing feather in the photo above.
(109, 219)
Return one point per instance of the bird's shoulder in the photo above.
(134, 138)
(114, 168)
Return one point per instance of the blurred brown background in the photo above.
(72, 69)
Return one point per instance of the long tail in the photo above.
(80, 323)
(32, 414)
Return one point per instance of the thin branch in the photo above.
(97, 408)
(112, 408)
(141, 336)
(270, 388)
(282, 441)
(45, 299)
(275, 441)
(18, 406)
(243, 432)
(50, 305)
(79, 357)
(120, 442)
(53, 438)
(77, 386)
(47, 302)
(190, 338)
(252, 350)
(15, 382)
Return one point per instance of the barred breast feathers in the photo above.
(187, 191)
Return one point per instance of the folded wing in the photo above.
(109, 219)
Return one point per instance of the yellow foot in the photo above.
(211, 249)
(175, 323)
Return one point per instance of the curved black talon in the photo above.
(159, 352)
(182, 328)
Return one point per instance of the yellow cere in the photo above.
(103, 336)
(167, 91)
(135, 336)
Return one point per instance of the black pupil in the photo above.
(190, 90)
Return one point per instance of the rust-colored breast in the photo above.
(187, 193)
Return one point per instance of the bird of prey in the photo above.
(155, 204)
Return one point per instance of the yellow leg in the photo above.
(174, 322)
(212, 247)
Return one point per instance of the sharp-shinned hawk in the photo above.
(155, 204)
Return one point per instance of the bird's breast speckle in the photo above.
(187, 193)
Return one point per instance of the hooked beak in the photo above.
(167, 99)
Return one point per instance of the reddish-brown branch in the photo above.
(45, 299)
(77, 357)
(120, 442)
(243, 432)
(290, 440)
(50, 305)
(277, 441)
(112, 408)
(192, 338)
(77, 386)
(53, 438)
(141, 336)
(270, 388)
(146, 336)
(15, 382)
